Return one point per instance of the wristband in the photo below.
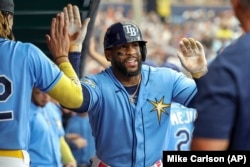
(59, 57)
(75, 48)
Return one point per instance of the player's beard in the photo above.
(121, 67)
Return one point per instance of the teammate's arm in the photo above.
(59, 43)
(67, 156)
(96, 56)
(209, 144)
(72, 31)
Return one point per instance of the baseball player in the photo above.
(129, 103)
(24, 66)
(180, 129)
(79, 124)
(47, 146)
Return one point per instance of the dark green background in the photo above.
(32, 19)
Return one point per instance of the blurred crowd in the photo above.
(213, 28)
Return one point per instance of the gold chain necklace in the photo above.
(132, 97)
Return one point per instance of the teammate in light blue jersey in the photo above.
(79, 124)
(43, 134)
(24, 66)
(180, 129)
(129, 103)
(47, 133)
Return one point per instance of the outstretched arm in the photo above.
(77, 32)
(67, 90)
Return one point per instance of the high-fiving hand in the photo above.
(77, 29)
(58, 41)
(192, 57)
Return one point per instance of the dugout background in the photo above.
(32, 20)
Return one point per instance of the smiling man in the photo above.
(134, 99)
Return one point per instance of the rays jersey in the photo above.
(46, 131)
(80, 125)
(18, 75)
(180, 128)
(138, 130)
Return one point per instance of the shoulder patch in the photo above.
(88, 82)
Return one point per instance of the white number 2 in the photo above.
(6, 91)
(5, 94)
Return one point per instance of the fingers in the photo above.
(60, 20)
(70, 13)
(85, 24)
(189, 43)
(199, 45)
(192, 42)
(66, 15)
(53, 27)
(183, 44)
(58, 41)
(66, 28)
(76, 15)
(180, 56)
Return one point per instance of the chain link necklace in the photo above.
(132, 98)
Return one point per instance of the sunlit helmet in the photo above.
(122, 33)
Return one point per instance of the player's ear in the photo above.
(107, 53)
(10, 21)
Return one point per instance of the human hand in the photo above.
(58, 41)
(77, 29)
(192, 57)
(72, 136)
(78, 141)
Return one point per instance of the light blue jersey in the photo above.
(18, 75)
(80, 125)
(180, 129)
(133, 135)
(46, 131)
(56, 117)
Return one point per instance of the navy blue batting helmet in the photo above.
(7, 6)
(122, 33)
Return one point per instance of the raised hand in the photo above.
(192, 57)
(58, 41)
(77, 29)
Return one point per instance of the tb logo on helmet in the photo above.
(130, 30)
(124, 32)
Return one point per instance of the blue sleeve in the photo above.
(44, 71)
(184, 89)
(85, 105)
(75, 60)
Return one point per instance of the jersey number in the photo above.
(6, 85)
(185, 140)
(5, 93)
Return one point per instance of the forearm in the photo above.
(66, 153)
(75, 60)
(68, 83)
